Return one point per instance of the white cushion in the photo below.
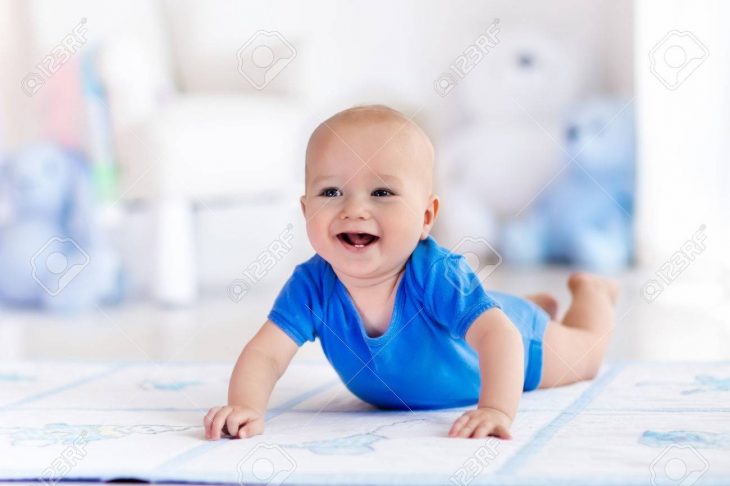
(215, 146)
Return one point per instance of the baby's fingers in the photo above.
(458, 424)
(253, 427)
(501, 431)
(219, 420)
(481, 431)
(468, 428)
(486, 429)
(236, 420)
(208, 420)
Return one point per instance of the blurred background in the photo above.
(152, 159)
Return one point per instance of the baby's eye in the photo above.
(382, 193)
(331, 192)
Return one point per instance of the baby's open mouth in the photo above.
(358, 240)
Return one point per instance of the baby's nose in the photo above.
(354, 208)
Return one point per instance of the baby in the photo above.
(405, 323)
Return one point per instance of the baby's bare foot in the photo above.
(583, 280)
(547, 301)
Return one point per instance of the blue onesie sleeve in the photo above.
(453, 294)
(294, 308)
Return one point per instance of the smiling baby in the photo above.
(405, 323)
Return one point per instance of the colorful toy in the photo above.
(585, 216)
(52, 254)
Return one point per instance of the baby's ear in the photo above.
(304, 206)
(435, 201)
(429, 216)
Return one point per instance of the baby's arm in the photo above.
(261, 363)
(501, 360)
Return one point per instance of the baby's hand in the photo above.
(235, 421)
(480, 423)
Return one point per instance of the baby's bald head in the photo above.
(369, 171)
(375, 132)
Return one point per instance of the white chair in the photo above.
(178, 149)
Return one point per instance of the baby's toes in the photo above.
(603, 284)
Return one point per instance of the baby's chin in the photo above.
(357, 269)
(365, 270)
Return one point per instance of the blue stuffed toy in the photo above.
(52, 254)
(584, 218)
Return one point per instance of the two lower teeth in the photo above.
(357, 245)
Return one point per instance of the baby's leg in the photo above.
(548, 303)
(573, 350)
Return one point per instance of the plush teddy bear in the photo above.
(585, 216)
(497, 147)
(52, 254)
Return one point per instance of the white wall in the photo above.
(684, 174)
(684, 177)
(386, 52)
(392, 51)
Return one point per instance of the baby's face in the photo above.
(368, 194)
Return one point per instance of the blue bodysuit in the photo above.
(422, 361)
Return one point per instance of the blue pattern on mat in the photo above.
(694, 438)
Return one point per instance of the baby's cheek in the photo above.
(408, 222)
(405, 233)
(320, 233)
(317, 234)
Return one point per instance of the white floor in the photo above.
(688, 321)
(657, 424)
